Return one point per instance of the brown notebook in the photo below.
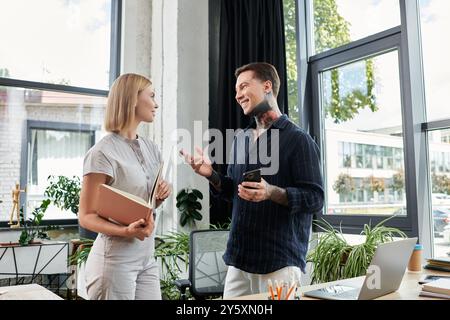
(122, 207)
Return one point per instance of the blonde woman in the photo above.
(121, 263)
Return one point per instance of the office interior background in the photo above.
(368, 79)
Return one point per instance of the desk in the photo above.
(27, 292)
(409, 288)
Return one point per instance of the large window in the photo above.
(439, 155)
(57, 149)
(55, 69)
(44, 133)
(359, 110)
(380, 119)
(361, 105)
(56, 41)
(434, 22)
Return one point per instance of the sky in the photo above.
(55, 40)
(367, 17)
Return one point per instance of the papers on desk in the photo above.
(433, 295)
(440, 264)
(3, 292)
(438, 289)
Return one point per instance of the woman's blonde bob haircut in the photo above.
(122, 101)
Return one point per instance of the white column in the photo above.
(180, 76)
(167, 40)
(136, 36)
(137, 42)
(165, 80)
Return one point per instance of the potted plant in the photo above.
(64, 193)
(29, 256)
(335, 259)
(189, 205)
(31, 227)
(172, 251)
(81, 251)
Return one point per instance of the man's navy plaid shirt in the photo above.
(265, 236)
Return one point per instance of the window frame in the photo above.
(24, 165)
(407, 40)
(115, 62)
(374, 45)
(115, 69)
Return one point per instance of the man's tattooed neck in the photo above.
(266, 119)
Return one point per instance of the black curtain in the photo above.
(241, 32)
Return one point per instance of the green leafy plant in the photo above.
(331, 31)
(344, 184)
(171, 249)
(64, 192)
(398, 181)
(335, 259)
(81, 254)
(32, 227)
(375, 184)
(189, 206)
(173, 252)
(221, 226)
(440, 183)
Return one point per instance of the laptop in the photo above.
(384, 274)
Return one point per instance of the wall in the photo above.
(12, 112)
(180, 76)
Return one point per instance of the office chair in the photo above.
(207, 270)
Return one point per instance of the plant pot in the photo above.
(16, 244)
(49, 257)
(9, 244)
(344, 258)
